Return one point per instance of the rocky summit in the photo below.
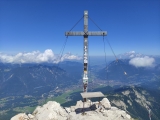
(89, 110)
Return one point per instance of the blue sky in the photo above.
(38, 25)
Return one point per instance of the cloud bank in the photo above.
(130, 55)
(133, 54)
(36, 57)
(142, 61)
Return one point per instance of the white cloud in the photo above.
(142, 61)
(36, 57)
(132, 52)
(69, 56)
(131, 56)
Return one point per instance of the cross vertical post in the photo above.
(85, 55)
(85, 33)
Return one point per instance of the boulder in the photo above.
(68, 110)
(79, 104)
(30, 116)
(49, 111)
(20, 116)
(72, 108)
(105, 103)
(53, 111)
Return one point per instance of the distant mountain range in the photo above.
(27, 78)
(136, 100)
(30, 81)
(116, 71)
(133, 54)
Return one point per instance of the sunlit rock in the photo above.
(81, 111)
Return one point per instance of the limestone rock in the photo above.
(20, 116)
(49, 111)
(73, 108)
(105, 102)
(53, 111)
(30, 116)
(68, 110)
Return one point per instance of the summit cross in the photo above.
(85, 34)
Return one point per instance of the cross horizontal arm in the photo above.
(81, 33)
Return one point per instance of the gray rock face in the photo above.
(50, 111)
(106, 104)
(81, 111)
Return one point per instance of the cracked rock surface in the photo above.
(91, 111)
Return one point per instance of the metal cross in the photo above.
(85, 34)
